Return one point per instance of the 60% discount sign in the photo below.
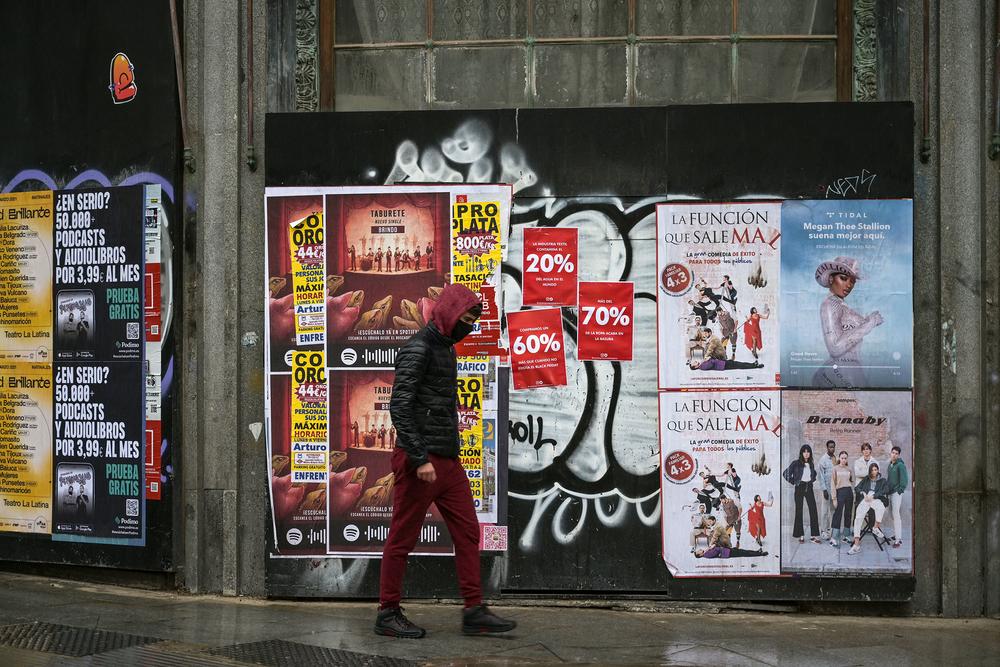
(537, 357)
(549, 263)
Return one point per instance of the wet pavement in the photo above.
(47, 621)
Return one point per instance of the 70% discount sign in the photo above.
(549, 262)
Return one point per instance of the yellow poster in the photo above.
(25, 447)
(470, 424)
(308, 281)
(309, 443)
(477, 253)
(26, 227)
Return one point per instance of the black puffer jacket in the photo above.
(424, 404)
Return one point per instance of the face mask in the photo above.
(461, 330)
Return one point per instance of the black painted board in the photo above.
(58, 117)
(558, 152)
(790, 151)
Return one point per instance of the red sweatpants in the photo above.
(450, 491)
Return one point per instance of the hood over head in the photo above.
(454, 301)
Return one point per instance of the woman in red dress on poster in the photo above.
(755, 518)
(751, 332)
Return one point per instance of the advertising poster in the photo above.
(549, 261)
(309, 417)
(99, 453)
(308, 278)
(99, 275)
(720, 494)
(605, 327)
(298, 508)
(153, 220)
(361, 477)
(282, 320)
(26, 227)
(718, 274)
(25, 447)
(861, 484)
(477, 244)
(387, 253)
(846, 294)
(537, 356)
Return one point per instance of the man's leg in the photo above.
(410, 502)
(897, 523)
(454, 501)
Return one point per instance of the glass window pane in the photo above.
(684, 17)
(580, 18)
(683, 73)
(379, 79)
(787, 72)
(480, 19)
(381, 21)
(479, 78)
(580, 75)
(801, 17)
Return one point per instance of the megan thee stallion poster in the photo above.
(846, 294)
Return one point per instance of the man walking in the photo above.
(426, 466)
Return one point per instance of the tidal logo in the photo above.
(123, 88)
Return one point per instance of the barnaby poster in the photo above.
(847, 480)
(718, 275)
(846, 309)
(720, 496)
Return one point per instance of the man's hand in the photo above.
(426, 473)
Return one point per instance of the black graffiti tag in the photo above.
(521, 432)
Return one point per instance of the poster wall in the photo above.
(72, 375)
(846, 294)
(718, 274)
(719, 487)
(382, 256)
(863, 477)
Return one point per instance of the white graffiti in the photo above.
(593, 428)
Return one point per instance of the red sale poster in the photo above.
(537, 358)
(605, 328)
(550, 259)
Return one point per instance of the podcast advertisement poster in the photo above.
(846, 310)
(719, 487)
(718, 277)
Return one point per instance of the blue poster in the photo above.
(846, 294)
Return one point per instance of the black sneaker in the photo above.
(480, 620)
(392, 623)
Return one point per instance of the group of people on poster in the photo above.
(779, 298)
(394, 258)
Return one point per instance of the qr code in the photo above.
(492, 538)
(132, 331)
(132, 507)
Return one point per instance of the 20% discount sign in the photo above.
(537, 356)
(549, 263)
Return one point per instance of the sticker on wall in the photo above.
(550, 261)
(537, 355)
(123, 88)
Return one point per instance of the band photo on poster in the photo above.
(847, 472)
(846, 294)
(718, 274)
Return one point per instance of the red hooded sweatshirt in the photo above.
(454, 301)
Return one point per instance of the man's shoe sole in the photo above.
(387, 632)
(487, 630)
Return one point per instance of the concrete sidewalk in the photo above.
(56, 622)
